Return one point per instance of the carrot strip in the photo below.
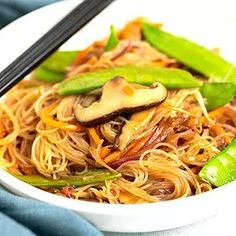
(47, 119)
(105, 151)
(92, 60)
(132, 31)
(218, 130)
(112, 157)
(139, 144)
(216, 113)
(82, 56)
(94, 136)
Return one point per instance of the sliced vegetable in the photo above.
(83, 56)
(115, 100)
(54, 68)
(136, 124)
(47, 118)
(60, 61)
(170, 78)
(94, 136)
(92, 176)
(221, 169)
(217, 130)
(112, 40)
(132, 30)
(217, 94)
(191, 54)
(48, 76)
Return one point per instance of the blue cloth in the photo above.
(26, 217)
(12, 9)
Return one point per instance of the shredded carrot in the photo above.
(218, 130)
(216, 113)
(92, 60)
(94, 136)
(129, 90)
(138, 144)
(112, 157)
(47, 119)
(160, 63)
(99, 44)
(82, 56)
(201, 159)
(132, 31)
(105, 151)
(80, 128)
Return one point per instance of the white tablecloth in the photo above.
(219, 225)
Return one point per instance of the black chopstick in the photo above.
(49, 42)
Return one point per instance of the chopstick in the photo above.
(49, 42)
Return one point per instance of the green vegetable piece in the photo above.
(112, 40)
(170, 78)
(217, 94)
(191, 54)
(221, 169)
(60, 61)
(48, 76)
(92, 176)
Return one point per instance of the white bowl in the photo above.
(197, 20)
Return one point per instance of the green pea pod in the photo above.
(60, 61)
(217, 94)
(170, 78)
(92, 176)
(112, 40)
(48, 76)
(221, 169)
(191, 54)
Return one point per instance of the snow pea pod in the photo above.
(48, 76)
(217, 94)
(170, 78)
(191, 54)
(92, 176)
(221, 169)
(53, 69)
(60, 61)
(112, 40)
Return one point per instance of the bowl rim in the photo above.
(15, 185)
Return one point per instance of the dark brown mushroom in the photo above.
(119, 96)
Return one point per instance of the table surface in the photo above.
(219, 225)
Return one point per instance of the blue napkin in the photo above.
(26, 217)
(12, 9)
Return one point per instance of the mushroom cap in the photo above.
(119, 96)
